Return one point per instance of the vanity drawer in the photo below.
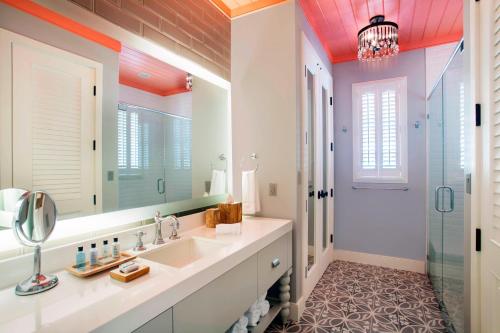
(216, 306)
(273, 262)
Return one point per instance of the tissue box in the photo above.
(212, 217)
(230, 212)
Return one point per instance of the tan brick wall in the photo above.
(192, 28)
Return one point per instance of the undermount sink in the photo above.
(183, 252)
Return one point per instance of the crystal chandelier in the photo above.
(378, 40)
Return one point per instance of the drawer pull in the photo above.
(275, 263)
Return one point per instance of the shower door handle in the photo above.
(162, 182)
(437, 201)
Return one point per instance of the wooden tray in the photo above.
(127, 277)
(91, 270)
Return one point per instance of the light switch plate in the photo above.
(273, 189)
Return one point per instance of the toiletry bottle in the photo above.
(115, 248)
(80, 258)
(93, 255)
(105, 248)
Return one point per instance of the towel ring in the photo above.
(252, 156)
(221, 157)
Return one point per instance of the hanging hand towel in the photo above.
(250, 192)
(218, 183)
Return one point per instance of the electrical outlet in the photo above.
(273, 189)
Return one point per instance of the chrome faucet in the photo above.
(174, 224)
(139, 245)
(158, 240)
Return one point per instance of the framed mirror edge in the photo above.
(129, 218)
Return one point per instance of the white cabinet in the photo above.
(217, 305)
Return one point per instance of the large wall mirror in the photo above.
(148, 134)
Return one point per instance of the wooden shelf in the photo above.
(266, 320)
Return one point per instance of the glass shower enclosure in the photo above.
(445, 197)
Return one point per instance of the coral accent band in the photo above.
(65, 23)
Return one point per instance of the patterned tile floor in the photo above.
(359, 298)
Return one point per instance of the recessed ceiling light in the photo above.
(144, 75)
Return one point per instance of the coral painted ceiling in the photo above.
(233, 8)
(422, 23)
(144, 72)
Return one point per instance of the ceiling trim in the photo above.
(245, 9)
(65, 23)
(152, 90)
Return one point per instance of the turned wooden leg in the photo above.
(285, 295)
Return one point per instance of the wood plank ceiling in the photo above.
(141, 71)
(422, 23)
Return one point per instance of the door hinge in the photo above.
(478, 240)
(306, 205)
(305, 71)
(95, 90)
(331, 100)
(331, 192)
(331, 146)
(306, 138)
(478, 114)
(331, 238)
(468, 183)
(93, 144)
(95, 200)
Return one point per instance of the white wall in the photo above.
(265, 94)
(209, 131)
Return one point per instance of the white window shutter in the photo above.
(368, 135)
(389, 130)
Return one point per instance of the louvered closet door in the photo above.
(491, 229)
(53, 128)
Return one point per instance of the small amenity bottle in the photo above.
(115, 248)
(80, 258)
(93, 255)
(105, 249)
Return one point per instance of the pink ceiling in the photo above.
(163, 79)
(422, 23)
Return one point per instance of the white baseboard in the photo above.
(379, 260)
(296, 309)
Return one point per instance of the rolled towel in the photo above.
(253, 314)
(243, 322)
(237, 328)
(264, 308)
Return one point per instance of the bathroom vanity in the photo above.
(202, 282)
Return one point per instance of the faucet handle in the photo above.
(157, 216)
(139, 245)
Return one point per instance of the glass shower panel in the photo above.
(453, 220)
(435, 179)
(310, 158)
(140, 157)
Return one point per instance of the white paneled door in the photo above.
(317, 167)
(53, 124)
(490, 222)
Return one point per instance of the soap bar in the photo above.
(128, 267)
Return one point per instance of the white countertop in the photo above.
(100, 303)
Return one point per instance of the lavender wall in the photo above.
(390, 223)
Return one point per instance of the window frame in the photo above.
(380, 175)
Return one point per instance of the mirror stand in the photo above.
(38, 282)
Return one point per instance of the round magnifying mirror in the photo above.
(8, 206)
(34, 222)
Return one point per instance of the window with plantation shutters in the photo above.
(379, 131)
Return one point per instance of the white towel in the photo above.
(240, 326)
(263, 305)
(218, 183)
(253, 314)
(250, 192)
